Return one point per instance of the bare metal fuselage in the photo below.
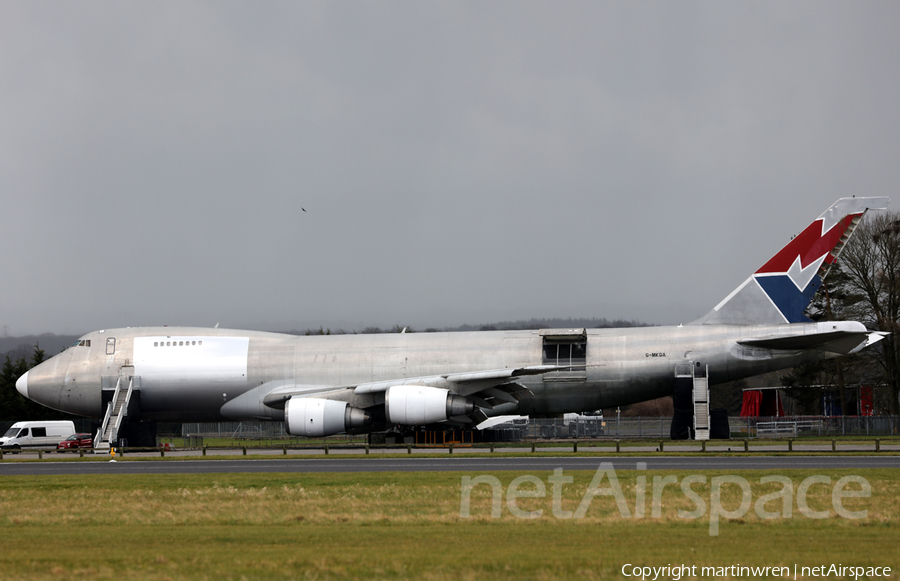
(198, 374)
(322, 385)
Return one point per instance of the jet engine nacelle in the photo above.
(419, 404)
(322, 417)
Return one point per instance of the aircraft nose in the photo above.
(22, 384)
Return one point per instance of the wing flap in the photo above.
(488, 389)
(461, 383)
(277, 397)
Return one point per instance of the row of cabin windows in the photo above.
(176, 343)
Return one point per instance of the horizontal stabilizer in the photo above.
(842, 342)
(874, 337)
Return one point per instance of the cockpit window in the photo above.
(82, 343)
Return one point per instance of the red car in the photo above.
(76, 441)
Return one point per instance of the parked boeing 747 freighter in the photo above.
(322, 385)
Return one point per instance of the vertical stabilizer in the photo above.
(782, 289)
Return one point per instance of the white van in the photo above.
(36, 435)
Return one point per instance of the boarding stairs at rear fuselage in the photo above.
(700, 397)
(116, 411)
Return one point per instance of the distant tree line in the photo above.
(22, 346)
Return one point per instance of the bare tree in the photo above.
(870, 283)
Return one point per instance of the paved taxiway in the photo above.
(443, 464)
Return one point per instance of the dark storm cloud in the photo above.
(459, 162)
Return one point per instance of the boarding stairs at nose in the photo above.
(116, 411)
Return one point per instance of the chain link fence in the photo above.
(814, 426)
(554, 429)
(243, 431)
(612, 428)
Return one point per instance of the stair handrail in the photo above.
(98, 438)
(706, 427)
(109, 410)
(115, 396)
(124, 411)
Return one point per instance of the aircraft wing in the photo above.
(842, 342)
(487, 389)
(277, 396)
(463, 384)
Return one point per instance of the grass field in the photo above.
(408, 526)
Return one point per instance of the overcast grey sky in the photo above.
(460, 162)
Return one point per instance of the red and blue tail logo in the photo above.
(792, 277)
(782, 289)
